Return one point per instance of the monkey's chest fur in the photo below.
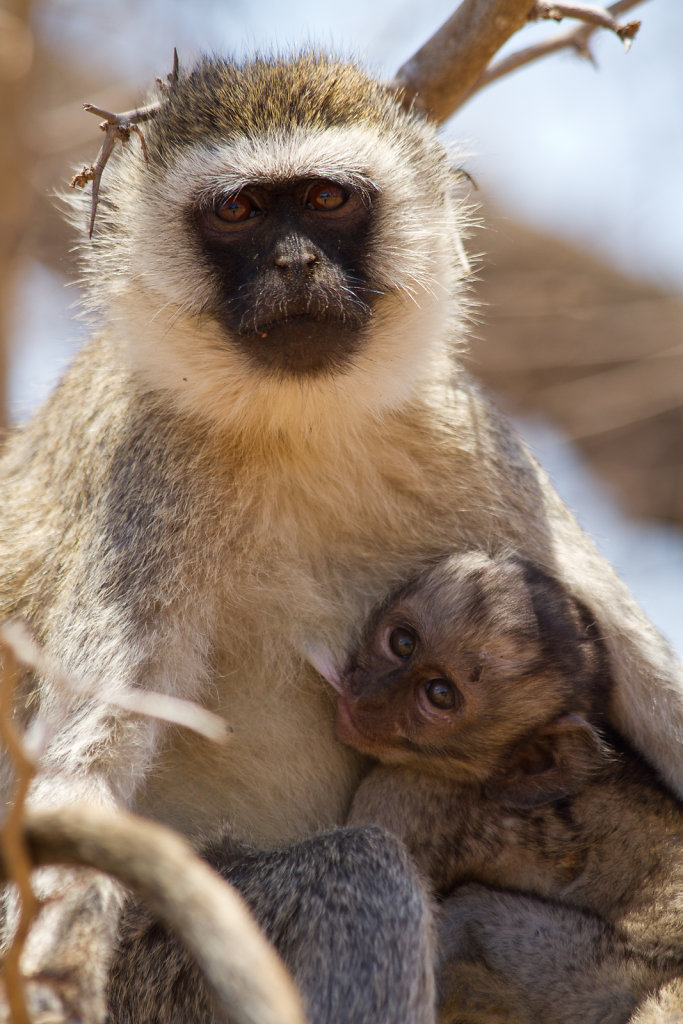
(296, 563)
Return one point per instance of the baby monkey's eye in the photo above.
(441, 693)
(402, 642)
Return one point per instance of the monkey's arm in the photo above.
(345, 911)
(86, 568)
(432, 816)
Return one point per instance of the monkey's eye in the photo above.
(236, 209)
(325, 196)
(402, 642)
(441, 693)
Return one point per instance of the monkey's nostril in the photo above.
(298, 261)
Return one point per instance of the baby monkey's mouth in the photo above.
(348, 730)
(356, 730)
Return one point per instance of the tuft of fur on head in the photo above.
(222, 127)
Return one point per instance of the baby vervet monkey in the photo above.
(482, 688)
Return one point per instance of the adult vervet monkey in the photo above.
(269, 431)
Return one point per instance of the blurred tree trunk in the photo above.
(16, 64)
(593, 351)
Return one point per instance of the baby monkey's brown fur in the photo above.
(480, 689)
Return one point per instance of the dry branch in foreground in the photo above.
(136, 848)
(12, 841)
(167, 708)
(247, 978)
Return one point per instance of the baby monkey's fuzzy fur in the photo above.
(518, 787)
(178, 517)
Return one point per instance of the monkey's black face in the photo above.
(289, 260)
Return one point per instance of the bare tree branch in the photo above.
(451, 66)
(443, 71)
(16, 643)
(446, 71)
(249, 982)
(576, 39)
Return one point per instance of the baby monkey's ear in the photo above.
(551, 763)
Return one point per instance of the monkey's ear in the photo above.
(551, 763)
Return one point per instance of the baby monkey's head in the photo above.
(465, 661)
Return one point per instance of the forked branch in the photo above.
(117, 128)
(576, 39)
(452, 65)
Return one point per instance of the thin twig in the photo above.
(13, 842)
(589, 13)
(117, 128)
(576, 39)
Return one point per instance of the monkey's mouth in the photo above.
(357, 734)
(302, 344)
(292, 318)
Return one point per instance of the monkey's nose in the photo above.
(294, 257)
